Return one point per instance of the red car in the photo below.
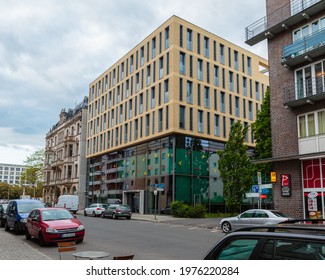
(50, 225)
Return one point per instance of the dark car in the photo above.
(3, 208)
(166, 211)
(51, 225)
(116, 211)
(17, 213)
(273, 242)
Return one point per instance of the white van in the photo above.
(68, 201)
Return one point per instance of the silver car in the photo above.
(116, 211)
(95, 209)
(253, 217)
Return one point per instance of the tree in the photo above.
(262, 133)
(235, 168)
(33, 175)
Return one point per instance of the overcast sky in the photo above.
(51, 50)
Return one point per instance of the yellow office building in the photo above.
(158, 115)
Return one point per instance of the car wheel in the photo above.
(16, 228)
(226, 227)
(85, 213)
(103, 215)
(7, 228)
(27, 235)
(128, 218)
(94, 214)
(41, 239)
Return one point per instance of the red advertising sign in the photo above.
(285, 185)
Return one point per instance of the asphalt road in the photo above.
(147, 240)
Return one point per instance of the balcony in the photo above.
(306, 92)
(69, 138)
(307, 48)
(282, 19)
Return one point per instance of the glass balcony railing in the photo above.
(305, 92)
(303, 46)
(281, 19)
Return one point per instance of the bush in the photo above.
(182, 210)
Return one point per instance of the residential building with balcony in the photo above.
(158, 115)
(295, 31)
(65, 159)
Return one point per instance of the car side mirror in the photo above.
(35, 219)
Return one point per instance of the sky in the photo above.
(51, 50)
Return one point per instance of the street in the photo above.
(147, 240)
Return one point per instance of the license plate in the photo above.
(68, 234)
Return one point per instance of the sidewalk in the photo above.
(10, 249)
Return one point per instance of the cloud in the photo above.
(51, 50)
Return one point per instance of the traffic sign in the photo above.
(273, 177)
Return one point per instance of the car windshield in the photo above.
(279, 214)
(27, 207)
(124, 207)
(58, 214)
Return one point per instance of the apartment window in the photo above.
(208, 72)
(244, 86)
(161, 67)
(257, 90)
(206, 97)
(153, 47)
(153, 122)
(131, 64)
(125, 133)
(223, 78)
(189, 40)
(167, 117)
(191, 66)
(153, 98)
(200, 69)
(181, 36)
(206, 47)
(142, 56)
(208, 123)
(237, 106)
(231, 81)
(199, 95)
(148, 75)
(166, 90)
(224, 125)
(130, 109)
(229, 57)
(214, 50)
(243, 63)
(244, 109)
(230, 104)
(140, 103)
(216, 75)
(160, 120)
(191, 119)
(198, 44)
(189, 92)
(216, 130)
(215, 99)
(250, 110)
(180, 89)
(312, 124)
(236, 60)
(147, 124)
(166, 37)
(182, 63)
(249, 66)
(222, 102)
(122, 70)
(222, 54)
(200, 121)
(167, 63)
(182, 117)
(137, 82)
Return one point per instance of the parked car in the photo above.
(51, 225)
(68, 201)
(271, 242)
(3, 208)
(116, 211)
(166, 211)
(95, 209)
(253, 217)
(17, 212)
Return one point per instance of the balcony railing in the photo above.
(306, 48)
(281, 19)
(308, 91)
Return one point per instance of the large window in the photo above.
(311, 124)
(182, 63)
(182, 117)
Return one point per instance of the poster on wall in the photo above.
(312, 201)
(285, 185)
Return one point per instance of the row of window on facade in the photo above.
(69, 171)
(126, 68)
(70, 150)
(7, 168)
(59, 138)
(124, 90)
(147, 125)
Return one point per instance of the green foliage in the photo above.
(262, 134)
(235, 167)
(182, 210)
